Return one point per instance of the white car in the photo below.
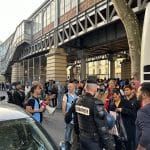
(19, 131)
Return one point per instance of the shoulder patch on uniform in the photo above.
(82, 110)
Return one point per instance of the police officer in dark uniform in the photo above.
(93, 128)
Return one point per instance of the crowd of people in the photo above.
(123, 99)
(110, 114)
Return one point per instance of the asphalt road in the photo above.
(54, 124)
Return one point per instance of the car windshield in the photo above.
(23, 134)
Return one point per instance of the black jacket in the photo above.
(18, 97)
(91, 120)
(135, 106)
(143, 127)
(128, 116)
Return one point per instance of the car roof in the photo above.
(11, 112)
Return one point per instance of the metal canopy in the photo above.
(118, 48)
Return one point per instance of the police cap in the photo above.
(92, 80)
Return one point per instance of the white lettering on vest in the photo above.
(83, 110)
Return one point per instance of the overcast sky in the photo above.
(12, 12)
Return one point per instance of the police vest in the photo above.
(85, 112)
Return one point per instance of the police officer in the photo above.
(93, 129)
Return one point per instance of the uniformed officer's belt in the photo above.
(89, 134)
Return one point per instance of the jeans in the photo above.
(68, 132)
(59, 99)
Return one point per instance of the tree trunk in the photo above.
(133, 31)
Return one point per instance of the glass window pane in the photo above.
(48, 15)
(45, 18)
(73, 3)
(62, 7)
(36, 24)
(67, 5)
(40, 21)
(34, 27)
(80, 1)
(52, 11)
